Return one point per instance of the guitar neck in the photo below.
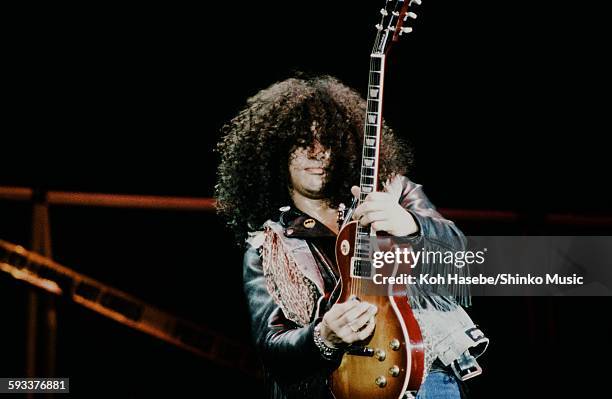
(373, 127)
(368, 182)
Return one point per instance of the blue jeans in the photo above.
(439, 385)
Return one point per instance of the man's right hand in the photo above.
(348, 322)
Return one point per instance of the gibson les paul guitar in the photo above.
(390, 363)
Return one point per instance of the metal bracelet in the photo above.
(326, 351)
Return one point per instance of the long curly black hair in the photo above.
(253, 176)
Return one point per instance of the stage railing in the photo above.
(208, 205)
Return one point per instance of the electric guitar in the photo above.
(390, 364)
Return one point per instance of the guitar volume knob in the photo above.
(394, 344)
(394, 371)
(381, 381)
(380, 354)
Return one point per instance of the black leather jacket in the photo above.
(294, 367)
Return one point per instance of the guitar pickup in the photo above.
(360, 351)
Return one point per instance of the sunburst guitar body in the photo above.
(391, 361)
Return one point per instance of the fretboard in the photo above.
(371, 147)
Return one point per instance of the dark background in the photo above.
(503, 102)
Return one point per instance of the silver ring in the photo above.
(353, 327)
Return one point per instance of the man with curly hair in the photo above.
(290, 160)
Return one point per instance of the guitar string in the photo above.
(359, 287)
(358, 238)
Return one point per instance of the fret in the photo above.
(369, 152)
(373, 106)
(369, 180)
(370, 142)
(375, 63)
(368, 167)
(368, 162)
(373, 92)
(368, 172)
(372, 118)
(374, 78)
(366, 189)
(363, 244)
(371, 130)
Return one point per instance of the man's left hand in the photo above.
(384, 213)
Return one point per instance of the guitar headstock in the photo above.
(393, 23)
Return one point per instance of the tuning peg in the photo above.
(384, 12)
(379, 27)
(417, 2)
(410, 15)
(405, 30)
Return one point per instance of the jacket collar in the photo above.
(298, 224)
